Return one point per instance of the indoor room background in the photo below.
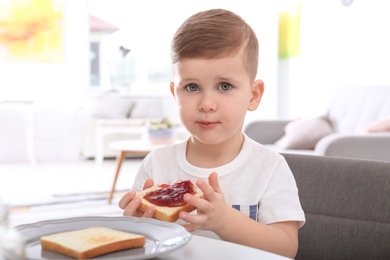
(307, 50)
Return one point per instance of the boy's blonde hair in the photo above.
(216, 33)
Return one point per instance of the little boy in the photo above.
(249, 193)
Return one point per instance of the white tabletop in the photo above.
(209, 248)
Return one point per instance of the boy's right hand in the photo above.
(130, 203)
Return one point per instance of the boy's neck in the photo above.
(211, 156)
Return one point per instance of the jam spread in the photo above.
(170, 195)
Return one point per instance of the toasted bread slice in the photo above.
(165, 213)
(91, 242)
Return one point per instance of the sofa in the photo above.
(114, 116)
(355, 125)
(347, 207)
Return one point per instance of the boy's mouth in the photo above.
(206, 124)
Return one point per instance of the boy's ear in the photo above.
(257, 93)
(172, 87)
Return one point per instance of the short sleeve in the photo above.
(280, 201)
(144, 172)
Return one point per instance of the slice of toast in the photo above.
(165, 213)
(91, 242)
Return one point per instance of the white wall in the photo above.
(57, 90)
(42, 80)
(340, 46)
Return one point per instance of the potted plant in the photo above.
(161, 132)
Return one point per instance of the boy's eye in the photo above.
(224, 86)
(192, 87)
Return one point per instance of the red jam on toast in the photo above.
(170, 195)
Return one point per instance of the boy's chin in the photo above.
(207, 140)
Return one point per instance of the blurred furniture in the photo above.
(357, 125)
(114, 116)
(346, 203)
(138, 148)
(107, 127)
(123, 148)
(27, 106)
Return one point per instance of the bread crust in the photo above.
(169, 214)
(91, 242)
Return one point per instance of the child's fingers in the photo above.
(132, 207)
(193, 219)
(208, 191)
(214, 183)
(149, 212)
(199, 203)
(148, 183)
(129, 196)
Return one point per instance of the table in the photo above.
(208, 248)
(130, 147)
(200, 247)
(115, 126)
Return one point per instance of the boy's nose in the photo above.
(207, 104)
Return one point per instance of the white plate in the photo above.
(161, 237)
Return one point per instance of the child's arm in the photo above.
(229, 224)
(130, 204)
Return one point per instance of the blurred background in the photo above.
(63, 63)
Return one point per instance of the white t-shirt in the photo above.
(258, 182)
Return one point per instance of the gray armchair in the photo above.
(374, 146)
(266, 132)
(346, 203)
(357, 125)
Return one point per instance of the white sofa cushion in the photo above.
(109, 105)
(351, 109)
(381, 125)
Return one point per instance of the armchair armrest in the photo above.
(266, 131)
(373, 146)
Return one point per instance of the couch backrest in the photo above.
(351, 109)
(114, 105)
(347, 207)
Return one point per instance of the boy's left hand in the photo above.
(211, 208)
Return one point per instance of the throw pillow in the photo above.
(109, 105)
(304, 133)
(148, 108)
(381, 125)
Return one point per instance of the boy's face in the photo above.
(213, 96)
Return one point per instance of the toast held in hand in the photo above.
(168, 199)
